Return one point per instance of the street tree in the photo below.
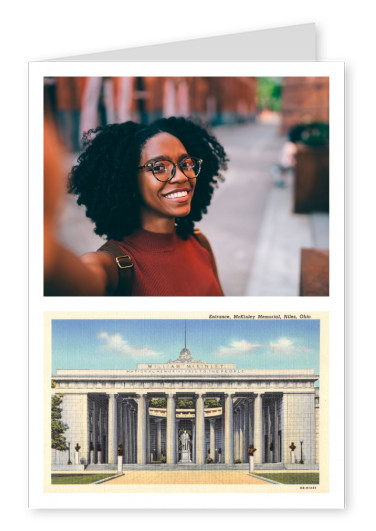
(58, 427)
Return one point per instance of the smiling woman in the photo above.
(144, 187)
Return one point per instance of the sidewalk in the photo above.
(276, 267)
(187, 477)
(256, 237)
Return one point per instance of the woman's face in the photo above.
(162, 202)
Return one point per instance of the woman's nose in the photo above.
(178, 176)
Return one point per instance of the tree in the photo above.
(158, 403)
(269, 93)
(212, 402)
(184, 403)
(58, 441)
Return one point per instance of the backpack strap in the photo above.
(204, 242)
(125, 268)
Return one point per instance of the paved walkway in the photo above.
(237, 210)
(186, 477)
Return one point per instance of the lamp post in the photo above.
(301, 462)
(120, 457)
(251, 452)
(292, 448)
(69, 459)
(77, 455)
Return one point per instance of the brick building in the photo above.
(304, 99)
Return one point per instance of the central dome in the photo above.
(185, 355)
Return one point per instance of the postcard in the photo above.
(233, 403)
(172, 365)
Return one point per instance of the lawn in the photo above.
(292, 478)
(77, 479)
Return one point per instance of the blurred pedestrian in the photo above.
(68, 101)
(64, 272)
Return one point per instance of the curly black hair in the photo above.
(105, 176)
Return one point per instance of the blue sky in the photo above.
(122, 343)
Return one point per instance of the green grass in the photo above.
(292, 478)
(77, 479)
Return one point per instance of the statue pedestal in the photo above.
(185, 457)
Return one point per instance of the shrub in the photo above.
(237, 461)
(208, 460)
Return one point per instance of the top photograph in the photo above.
(186, 186)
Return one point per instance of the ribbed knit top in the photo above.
(166, 265)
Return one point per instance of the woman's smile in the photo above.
(179, 195)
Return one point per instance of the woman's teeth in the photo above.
(176, 194)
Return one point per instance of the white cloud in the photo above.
(119, 345)
(285, 345)
(237, 347)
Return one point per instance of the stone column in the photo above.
(241, 433)
(141, 430)
(269, 430)
(200, 430)
(158, 423)
(177, 428)
(276, 439)
(135, 444)
(95, 433)
(112, 430)
(126, 432)
(129, 432)
(171, 430)
(246, 431)
(229, 430)
(212, 438)
(251, 421)
(120, 423)
(193, 442)
(148, 430)
(236, 433)
(128, 439)
(222, 444)
(133, 434)
(258, 429)
(100, 453)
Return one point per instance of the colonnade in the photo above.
(109, 416)
(241, 426)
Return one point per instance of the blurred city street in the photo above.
(255, 235)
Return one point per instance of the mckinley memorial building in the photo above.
(188, 412)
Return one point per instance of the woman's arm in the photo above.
(91, 274)
(64, 272)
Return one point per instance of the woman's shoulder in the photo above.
(202, 239)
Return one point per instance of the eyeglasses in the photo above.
(165, 170)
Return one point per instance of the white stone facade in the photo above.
(108, 412)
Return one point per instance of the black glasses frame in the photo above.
(150, 166)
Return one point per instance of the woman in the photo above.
(144, 187)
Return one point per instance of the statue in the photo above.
(185, 442)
